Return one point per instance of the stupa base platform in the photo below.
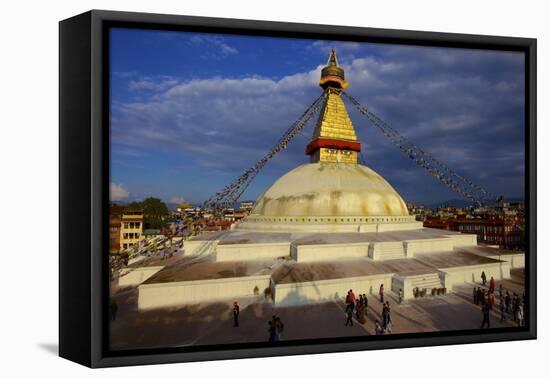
(298, 268)
(334, 224)
(309, 247)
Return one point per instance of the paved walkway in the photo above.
(211, 323)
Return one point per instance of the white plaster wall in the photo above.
(135, 276)
(320, 252)
(202, 247)
(400, 283)
(368, 228)
(463, 240)
(428, 245)
(243, 252)
(297, 227)
(328, 290)
(185, 292)
(459, 275)
(322, 226)
(382, 227)
(516, 261)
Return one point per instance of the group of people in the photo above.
(359, 305)
(508, 303)
(512, 304)
(275, 325)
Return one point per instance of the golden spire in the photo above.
(332, 75)
(334, 139)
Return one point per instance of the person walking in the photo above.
(381, 293)
(515, 305)
(519, 315)
(502, 310)
(272, 331)
(485, 312)
(491, 299)
(236, 312)
(507, 301)
(492, 285)
(400, 296)
(349, 316)
(366, 305)
(352, 298)
(378, 330)
(387, 318)
(479, 296)
(483, 278)
(475, 296)
(361, 314)
(279, 327)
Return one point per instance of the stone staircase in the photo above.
(387, 251)
(426, 281)
(408, 284)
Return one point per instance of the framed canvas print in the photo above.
(233, 188)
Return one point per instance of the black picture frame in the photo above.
(84, 193)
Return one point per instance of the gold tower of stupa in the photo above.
(334, 139)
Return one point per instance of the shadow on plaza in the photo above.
(212, 323)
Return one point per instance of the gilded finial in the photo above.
(332, 75)
(332, 60)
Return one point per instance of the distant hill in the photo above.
(465, 203)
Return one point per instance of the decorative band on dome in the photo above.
(332, 143)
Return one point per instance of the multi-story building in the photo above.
(501, 231)
(420, 212)
(131, 230)
(246, 206)
(507, 232)
(115, 218)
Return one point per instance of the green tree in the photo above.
(155, 212)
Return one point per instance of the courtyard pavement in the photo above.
(212, 323)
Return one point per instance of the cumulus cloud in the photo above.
(220, 50)
(151, 83)
(177, 199)
(118, 192)
(463, 106)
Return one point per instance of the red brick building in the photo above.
(507, 232)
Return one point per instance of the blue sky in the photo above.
(190, 112)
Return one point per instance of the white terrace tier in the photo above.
(302, 268)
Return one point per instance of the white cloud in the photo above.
(151, 84)
(439, 98)
(221, 48)
(177, 199)
(117, 191)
